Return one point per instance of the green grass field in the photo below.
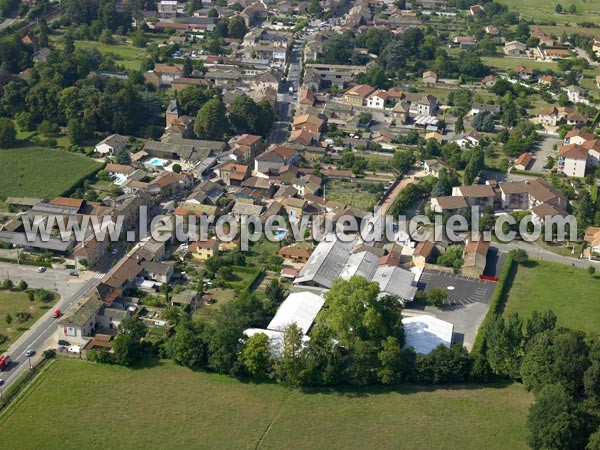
(124, 54)
(351, 194)
(41, 172)
(570, 292)
(543, 10)
(12, 302)
(502, 63)
(78, 404)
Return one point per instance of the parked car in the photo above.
(1, 381)
(29, 352)
(56, 313)
(41, 269)
(63, 342)
(74, 273)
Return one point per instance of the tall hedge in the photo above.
(497, 303)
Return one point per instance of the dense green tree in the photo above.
(290, 365)
(237, 28)
(376, 77)
(391, 362)
(403, 161)
(323, 358)
(8, 133)
(186, 347)
(504, 342)
(122, 156)
(315, 8)
(192, 6)
(223, 338)
(126, 351)
(275, 292)
(191, 99)
(211, 122)
(554, 423)
(188, 68)
(43, 34)
(255, 356)
(459, 126)
(76, 132)
(444, 365)
(139, 39)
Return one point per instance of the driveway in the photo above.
(536, 252)
(544, 149)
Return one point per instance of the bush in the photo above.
(437, 297)
(49, 354)
(23, 316)
(23, 285)
(44, 296)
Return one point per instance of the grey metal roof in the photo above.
(362, 263)
(326, 263)
(395, 281)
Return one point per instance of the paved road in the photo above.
(536, 252)
(70, 289)
(285, 100)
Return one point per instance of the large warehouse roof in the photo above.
(424, 333)
(300, 308)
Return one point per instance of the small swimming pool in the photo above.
(280, 234)
(157, 162)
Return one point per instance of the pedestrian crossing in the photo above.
(99, 275)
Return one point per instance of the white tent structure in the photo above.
(300, 308)
(424, 333)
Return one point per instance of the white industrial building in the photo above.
(425, 333)
(300, 308)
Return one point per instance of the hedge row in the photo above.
(254, 280)
(497, 303)
(25, 262)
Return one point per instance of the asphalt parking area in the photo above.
(461, 290)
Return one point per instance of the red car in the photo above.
(56, 313)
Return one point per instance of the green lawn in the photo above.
(543, 10)
(124, 54)
(12, 302)
(351, 194)
(171, 407)
(502, 63)
(41, 172)
(570, 292)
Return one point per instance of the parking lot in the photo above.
(543, 150)
(461, 290)
(467, 304)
